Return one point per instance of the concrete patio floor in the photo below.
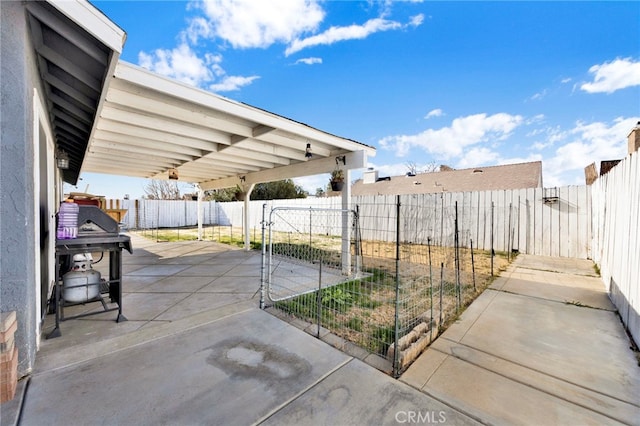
(539, 347)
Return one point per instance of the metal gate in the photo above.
(307, 249)
(383, 291)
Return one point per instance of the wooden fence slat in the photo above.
(535, 228)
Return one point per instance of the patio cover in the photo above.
(113, 117)
(150, 124)
(116, 118)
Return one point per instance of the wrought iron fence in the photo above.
(390, 295)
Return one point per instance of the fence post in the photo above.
(509, 234)
(492, 252)
(473, 267)
(157, 222)
(264, 255)
(137, 217)
(456, 252)
(358, 241)
(441, 290)
(396, 352)
(442, 220)
(319, 297)
(430, 290)
(310, 234)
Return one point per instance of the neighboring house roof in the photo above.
(510, 176)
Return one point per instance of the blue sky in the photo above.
(459, 83)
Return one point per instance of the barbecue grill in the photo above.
(97, 233)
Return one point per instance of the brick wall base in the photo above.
(8, 356)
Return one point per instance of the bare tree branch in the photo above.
(162, 190)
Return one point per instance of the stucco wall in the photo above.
(17, 239)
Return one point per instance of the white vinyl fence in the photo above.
(616, 238)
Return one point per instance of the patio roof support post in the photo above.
(346, 225)
(200, 212)
(247, 189)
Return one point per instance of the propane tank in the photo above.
(82, 283)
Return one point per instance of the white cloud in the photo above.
(434, 113)
(612, 76)
(396, 169)
(547, 136)
(199, 27)
(250, 23)
(417, 20)
(584, 144)
(309, 61)
(449, 142)
(566, 80)
(517, 160)
(482, 156)
(183, 64)
(539, 95)
(180, 63)
(538, 118)
(351, 32)
(539, 146)
(232, 82)
(477, 156)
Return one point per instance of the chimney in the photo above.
(370, 176)
(634, 139)
(590, 173)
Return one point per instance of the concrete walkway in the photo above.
(540, 347)
(543, 345)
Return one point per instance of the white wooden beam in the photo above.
(124, 158)
(317, 148)
(143, 171)
(164, 124)
(261, 130)
(123, 141)
(353, 160)
(254, 155)
(139, 132)
(100, 146)
(229, 168)
(247, 215)
(268, 148)
(216, 157)
(143, 99)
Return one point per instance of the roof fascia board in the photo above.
(353, 160)
(144, 78)
(93, 21)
